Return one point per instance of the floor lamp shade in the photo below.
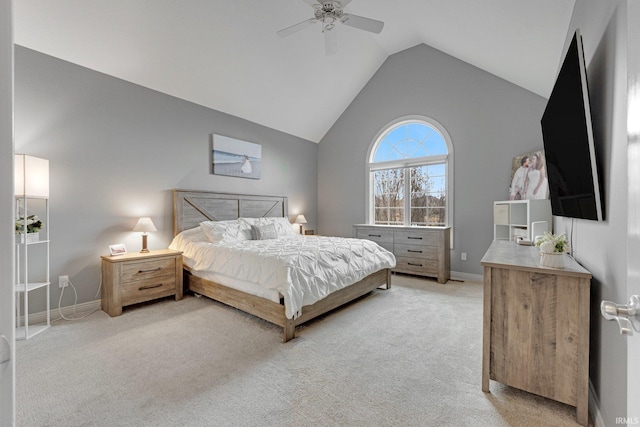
(31, 176)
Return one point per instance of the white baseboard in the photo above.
(594, 407)
(458, 275)
(68, 311)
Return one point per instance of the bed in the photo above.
(243, 290)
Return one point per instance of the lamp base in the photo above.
(144, 244)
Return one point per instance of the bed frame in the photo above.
(191, 207)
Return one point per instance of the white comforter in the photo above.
(304, 269)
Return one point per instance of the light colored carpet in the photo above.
(410, 356)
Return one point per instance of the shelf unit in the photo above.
(513, 218)
(31, 254)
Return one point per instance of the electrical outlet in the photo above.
(63, 281)
(463, 256)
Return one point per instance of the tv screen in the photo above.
(568, 142)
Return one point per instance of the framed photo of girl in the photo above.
(233, 157)
(529, 177)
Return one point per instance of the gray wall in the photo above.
(601, 246)
(117, 149)
(490, 121)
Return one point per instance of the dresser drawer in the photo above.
(415, 251)
(135, 271)
(148, 289)
(417, 237)
(378, 236)
(417, 265)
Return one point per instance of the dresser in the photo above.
(536, 325)
(423, 251)
(138, 277)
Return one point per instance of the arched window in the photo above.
(410, 174)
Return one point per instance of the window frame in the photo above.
(372, 166)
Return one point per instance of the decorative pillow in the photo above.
(282, 224)
(226, 231)
(263, 232)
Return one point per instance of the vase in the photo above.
(552, 260)
(31, 237)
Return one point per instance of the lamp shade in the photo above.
(31, 176)
(145, 224)
(300, 219)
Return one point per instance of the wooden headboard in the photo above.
(191, 207)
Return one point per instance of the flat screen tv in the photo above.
(569, 150)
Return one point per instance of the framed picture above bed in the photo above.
(233, 157)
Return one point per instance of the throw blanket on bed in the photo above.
(304, 269)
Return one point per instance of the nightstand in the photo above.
(138, 277)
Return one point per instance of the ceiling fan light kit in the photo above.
(328, 13)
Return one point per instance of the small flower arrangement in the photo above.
(33, 224)
(551, 243)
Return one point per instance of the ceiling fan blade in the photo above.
(363, 23)
(297, 27)
(344, 2)
(331, 41)
(312, 3)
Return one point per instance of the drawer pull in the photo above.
(144, 288)
(414, 238)
(415, 265)
(149, 271)
(414, 251)
(375, 235)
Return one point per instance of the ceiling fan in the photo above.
(329, 13)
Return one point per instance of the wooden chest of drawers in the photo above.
(423, 251)
(138, 277)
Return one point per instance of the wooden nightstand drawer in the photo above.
(132, 271)
(148, 289)
(138, 277)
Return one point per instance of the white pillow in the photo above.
(194, 235)
(282, 224)
(226, 231)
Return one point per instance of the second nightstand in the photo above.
(138, 277)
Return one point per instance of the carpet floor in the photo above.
(408, 356)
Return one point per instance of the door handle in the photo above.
(627, 315)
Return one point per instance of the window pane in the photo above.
(418, 200)
(437, 201)
(389, 196)
(437, 185)
(435, 144)
(410, 140)
(436, 217)
(419, 216)
(419, 179)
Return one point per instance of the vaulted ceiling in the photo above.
(225, 54)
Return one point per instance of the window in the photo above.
(409, 174)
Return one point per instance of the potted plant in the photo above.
(552, 249)
(33, 224)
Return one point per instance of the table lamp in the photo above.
(145, 225)
(300, 219)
